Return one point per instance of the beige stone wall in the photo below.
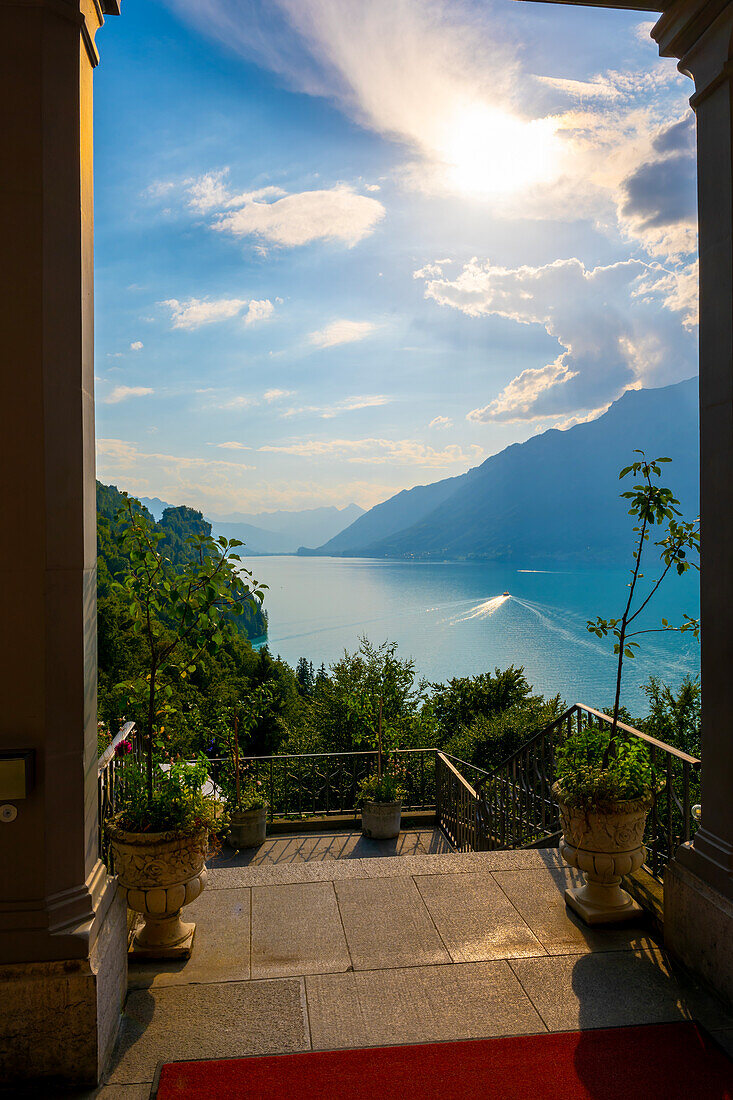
(60, 1019)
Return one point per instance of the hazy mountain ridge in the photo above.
(553, 498)
(276, 532)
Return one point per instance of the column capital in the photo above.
(700, 34)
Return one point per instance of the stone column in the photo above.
(699, 882)
(62, 930)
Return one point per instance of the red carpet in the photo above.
(656, 1062)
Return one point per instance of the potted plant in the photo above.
(604, 779)
(160, 845)
(159, 838)
(380, 795)
(246, 804)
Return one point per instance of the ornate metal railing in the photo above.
(110, 787)
(515, 807)
(324, 784)
(511, 807)
(457, 805)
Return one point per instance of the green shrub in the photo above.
(384, 789)
(588, 775)
(177, 804)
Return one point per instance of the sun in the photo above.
(486, 151)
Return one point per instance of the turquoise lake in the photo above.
(453, 620)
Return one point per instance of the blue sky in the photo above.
(345, 247)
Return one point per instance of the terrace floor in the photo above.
(316, 943)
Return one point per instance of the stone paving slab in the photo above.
(220, 1020)
(296, 929)
(310, 847)
(538, 895)
(418, 1005)
(387, 924)
(230, 876)
(604, 989)
(474, 917)
(221, 945)
(528, 859)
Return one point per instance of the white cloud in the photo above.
(195, 312)
(441, 422)
(607, 320)
(259, 311)
(349, 404)
(373, 187)
(408, 452)
(276, 395)
(159, 189)
(342, 332)
(122, 393)
(211, 191)
(233, 446)
(447, 81)
(136, 345)
(220, 486)
(240, 401)
(338, 214)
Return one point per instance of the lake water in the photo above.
(454, 620)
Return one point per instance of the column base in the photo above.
(698, 927)
(59, 1019)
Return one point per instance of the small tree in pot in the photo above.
(380, 794)
(159, 838)
(605, 783)
(246, 804)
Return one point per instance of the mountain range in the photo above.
(275, 532)
(552, 499)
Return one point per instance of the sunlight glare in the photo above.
(487, 151)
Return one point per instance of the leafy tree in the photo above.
(674, 718)
(465, 698)
(177, 613)
(651, 505)
(305, 677)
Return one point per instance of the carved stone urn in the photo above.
(605, 843)
(247, 828)
(159, 873)
(381, 820)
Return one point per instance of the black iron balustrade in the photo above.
(516, 809)
(110, 787)
(325, 784)
(511, 807)
(457, 804)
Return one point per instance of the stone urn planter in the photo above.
(247, 828)
(158, 874)
(381, 820)
(605, 843)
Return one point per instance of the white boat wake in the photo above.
(483, 610)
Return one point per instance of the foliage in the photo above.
(490, 738)
(650, 504)
(251, 796)
(177, 613)
(463, 699)
(384, 788)
(240, 786)
(674, 718)
(587, 776)
(177, 803)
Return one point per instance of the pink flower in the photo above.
(123, 748)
